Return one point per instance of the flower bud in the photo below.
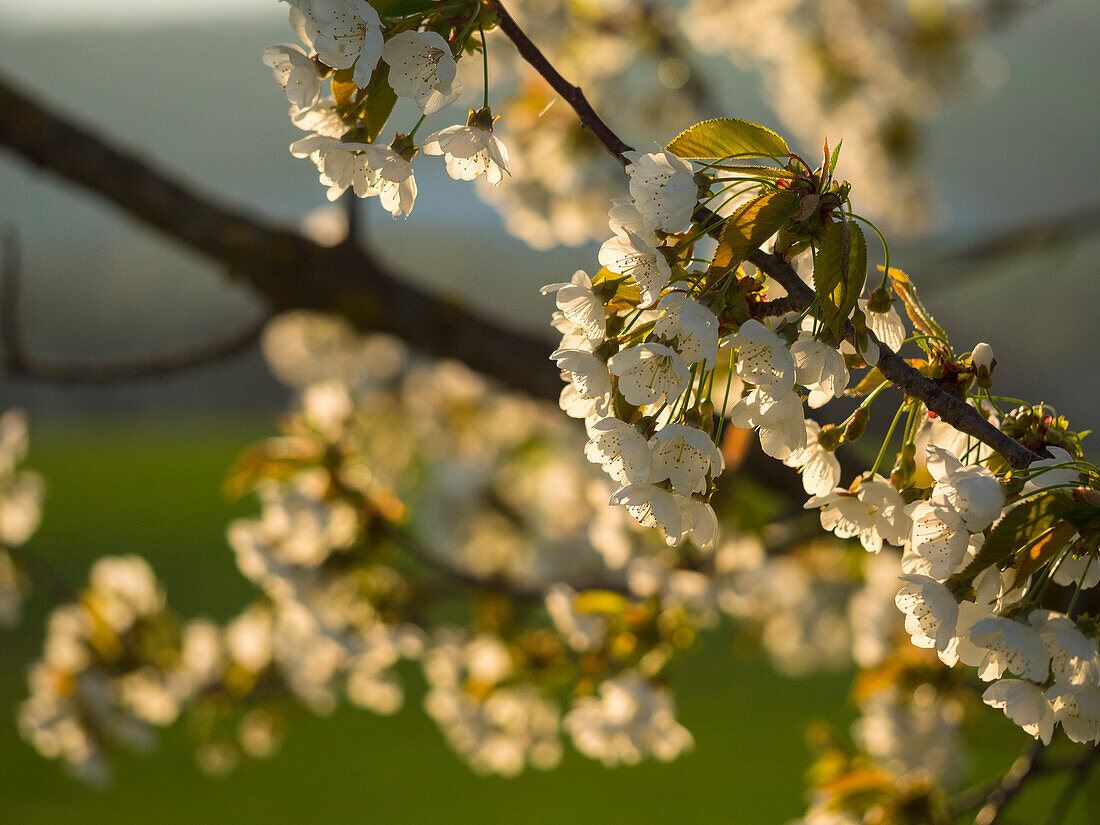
(984, 362)
(879, 300)
(830, 437)
(905, 466)
(857, 425)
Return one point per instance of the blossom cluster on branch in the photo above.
(546, 581)
(21, 495)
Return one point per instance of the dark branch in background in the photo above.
(21, 364)
(1029, 764)
(290, 271)
(952, 409)
(1034, 236)
(1079, 772)
(286, 269)
(524, 591)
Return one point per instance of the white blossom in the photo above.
(685, 456)
(663, 189)
(628, 254)
(887, 326)
(422, 69)
(342, 165)
(694, 327)
(819, 468)
(579, 304)
(1077, 710)
(847, 516)
(629, 720)
(972, 492)
(699, 523)
(1023, 703)
(1014, 647)
(390, 178)
(648, 373)
(624, 219)
(1084, 569)
(931, 612)
(296, 73)
(652, 506)
(469, 151)
(582, 631)
(344, 33)
(762, 358)
(1051, 478)
(1074, 658)
(819, 368)
(780, 420)
(939, 537)
(588, 374)
(621, 450)
(982, 358)
(891, 522)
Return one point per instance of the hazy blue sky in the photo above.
(55, 14)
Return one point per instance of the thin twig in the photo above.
(19, 363)
(45, 574)
(499, 583)
(1027, 765)
(1076, 782)
(895, 369)
(573, 95)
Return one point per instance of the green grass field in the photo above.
(153, 490)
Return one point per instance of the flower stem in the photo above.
(886, 441)
(412, 134)
(484, 63)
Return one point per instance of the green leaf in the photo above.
(1022, 525)
(840, 268)
(871, 381)
(752, 224)
(365, 110)
(403, 8)
(834, 158)
(753, 171)
(623, 293)
(346, 92)
(920, 316)
(728, 137)
(380, 100)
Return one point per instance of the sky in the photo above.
(67, 14)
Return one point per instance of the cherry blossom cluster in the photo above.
(385, 451)
(982, 542)
(21, 495)
(346, 77)
(664, 462)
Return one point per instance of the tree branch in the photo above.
(21, 364)
(1029, 764)
(1033, 236)
(288, 270)
(573, 95)
(895, 369)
